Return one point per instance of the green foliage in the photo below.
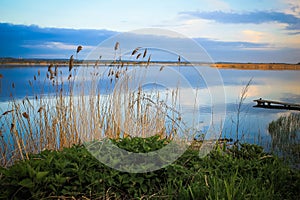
(238, 173)
(285, 133)
(140, 145)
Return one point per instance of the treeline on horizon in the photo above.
(12, 60)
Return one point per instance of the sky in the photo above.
(229, 30)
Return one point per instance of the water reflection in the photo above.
(275, 85)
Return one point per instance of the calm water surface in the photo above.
(283, 85)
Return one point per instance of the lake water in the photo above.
(281, 85)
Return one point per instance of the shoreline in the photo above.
(240, 66)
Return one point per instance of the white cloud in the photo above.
(272, 33)
(292, 7)
(253, 36)
(55, 45)
(59, 45)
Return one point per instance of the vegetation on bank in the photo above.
(65, 62)
(258, 66)
(285, 134)
(42, 156)
(235, 173)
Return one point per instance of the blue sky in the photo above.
(230, 30)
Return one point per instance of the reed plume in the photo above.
(135, 51)
(71, 63)
(145, 53)
(137, 57)
(117, 46)
(148, 61)
(6, 112)
(79, 48)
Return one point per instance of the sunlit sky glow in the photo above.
(230, 30)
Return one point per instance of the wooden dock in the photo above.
(262, 103)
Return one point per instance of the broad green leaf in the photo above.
(27, 183)
(41, 175)
(31, 171)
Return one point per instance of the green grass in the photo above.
(238, 173)
(285, 133)
(66, 170)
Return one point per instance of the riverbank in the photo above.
(258, 66)
(73, 173)
(11, 62)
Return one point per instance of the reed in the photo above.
(285, 133)
(54, 121)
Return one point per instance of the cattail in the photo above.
(161, 68)
(79, 48)
(148, 62)
(12, 126)
(34, 77)
(52, 74)
(49, 67)
(55, 70)
(40, 109)
(135, 50)
(117, 46)
(145, 53)
(25, 115)
(39, 72)
(13, 85)
(137, 57)
(179, 59)
(9, 111)
(69, 77)
(51, 71)
(117, 74)
(1, 76)
(71, 63)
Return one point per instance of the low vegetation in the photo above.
(78, 104)
(236, 173)
(43, 156)
(285, 133)
(258, 66)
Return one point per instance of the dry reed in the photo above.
(65, 118)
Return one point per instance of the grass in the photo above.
(239, 173)
(285, 133)
(43, 157)
(79, 110)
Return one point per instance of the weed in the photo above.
(285, 133)
(75, 173)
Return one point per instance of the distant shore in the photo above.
(258, 66)
(11, 62)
